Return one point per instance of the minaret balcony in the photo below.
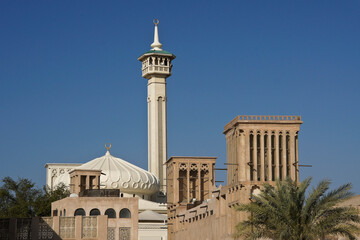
(156, 69)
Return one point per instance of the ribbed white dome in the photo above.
(122, 175)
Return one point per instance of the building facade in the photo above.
(260, 149)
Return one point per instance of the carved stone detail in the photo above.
(89, 227)
(183, 167)
(193, 167)
(205, 167)
(67, 227)
(111, 233)
(23, 228)
(45, 228)
(124, 233)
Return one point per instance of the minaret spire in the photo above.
(156, 45)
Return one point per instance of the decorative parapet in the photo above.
(156, 69)
(89, 227)
(262, 119)
(269, 117)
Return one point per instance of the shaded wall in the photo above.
(54, 228)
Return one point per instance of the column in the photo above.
(237, 153)
(283, 157)
(78, 227)
(297, 156)
(188, 181)
(56, 225)
(262, 157)
(277, 151)
(210, 181)
(102, 227)
(233, 156)
(247, 156)
(269, 156)
(255, 173)
(228, 155)
(199, 181)
(241, 163)
(88, 183)
(292, 156)
(176, 181)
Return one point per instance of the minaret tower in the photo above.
(156, 67)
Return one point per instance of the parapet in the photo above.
(265, 119)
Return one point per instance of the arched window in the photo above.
(79, 212)
(125, 213)
(64, 212)
(110, 213)
(94, 212)
(55, 213)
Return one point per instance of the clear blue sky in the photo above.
(70, 80)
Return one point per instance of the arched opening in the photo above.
(125, 213)
(79, 212)
(94, 212)
(110, 213)
(55, 213)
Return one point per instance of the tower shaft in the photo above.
(157, 128)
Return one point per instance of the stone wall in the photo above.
(54, 228)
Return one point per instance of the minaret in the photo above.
(156, 67)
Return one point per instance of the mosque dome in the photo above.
(117, 173)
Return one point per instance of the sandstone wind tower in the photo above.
(156, 67)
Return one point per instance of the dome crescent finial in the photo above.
(107, 146)
(156, 21)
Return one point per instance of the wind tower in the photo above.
(156, 67)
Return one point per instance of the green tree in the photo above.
(43, 202)
(20, 199)
(287, 212)
(17, 198)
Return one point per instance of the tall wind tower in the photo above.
(156, 67)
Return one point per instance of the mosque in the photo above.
(132, 199)
(175, 198)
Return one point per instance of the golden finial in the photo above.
(108, 146)
(156, 21)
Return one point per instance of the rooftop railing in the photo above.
(100, 193)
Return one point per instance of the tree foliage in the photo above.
(43, 203)
(287, 212)
(21, 199)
